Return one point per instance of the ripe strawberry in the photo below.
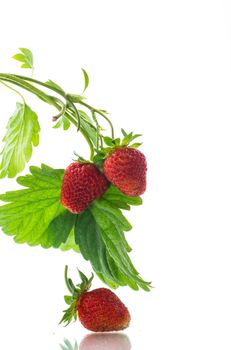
(102, 311)
(99, 310)
(82, 184)
(126, 168)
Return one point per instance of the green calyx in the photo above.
(76, 292)
(114, 143)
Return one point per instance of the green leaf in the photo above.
(117, 198)
(75, 98)
(34, 215)
(26, 57)
(22, 133)
(70, 314)
(54, 85)
(70, 243)
(117, 141)
(86, 79)
(128, 138)
(109, 141)
(88, 237)
(88, 126)
(59, 229)
(100, 235)
(62, 122)
(68, 299)
(135, 145)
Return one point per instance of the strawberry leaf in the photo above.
(120, 200)
(100, 235)
(62, 122)
(75, 98)
(26, 57)
(22, 133)
(88, 126)
(86, 79)
(52, 84)
(108, 141)
(35, 215)
(70, 243)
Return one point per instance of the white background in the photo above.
(162, 68)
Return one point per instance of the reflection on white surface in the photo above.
(68, 346)
(105, 341)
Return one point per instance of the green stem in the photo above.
(58, 91)
(97, 129)
(17, 92)
(76, 113)
(62, 108)
(21, 81)
(100, 113)
(92, 151)
(62, 93)
(67, 280)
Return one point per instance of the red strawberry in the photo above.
(82, 184)
(102, 311)
(126, 168)
(99, 310)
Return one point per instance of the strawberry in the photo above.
(126, 168)
(102, 311)
(82, 184)
(99, 310)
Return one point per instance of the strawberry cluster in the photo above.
(120, 164)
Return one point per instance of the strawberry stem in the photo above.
(71, 113)
(68, 109)
(76, 291)
(67, 280)
(17, 92)
(100, 113)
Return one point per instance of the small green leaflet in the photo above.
(62, 122)
(22, 133)
(70, 243)
(26, 57)
(100, 236)
(88, 126)
(86, 79)
(52, 84)
(34, 215)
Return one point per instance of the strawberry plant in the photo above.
(81, 207)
